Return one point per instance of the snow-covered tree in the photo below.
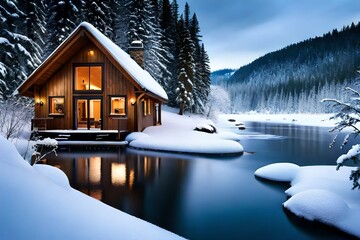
(121, 23)
(186, 65)
(62, 20)
(218, 102)
(169, 23)
(19, 54)
(36, 22)
(101, 15)
(203, 80)
(15, 115)
(348, 116)
(145, 25)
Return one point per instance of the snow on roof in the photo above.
(142, 77)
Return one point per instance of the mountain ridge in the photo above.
(290, 78)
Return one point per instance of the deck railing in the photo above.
(119, 125)
(40, 123)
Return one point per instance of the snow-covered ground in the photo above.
(319, 193)
(38, 203)
(176, 134)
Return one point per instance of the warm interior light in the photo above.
(91, 52)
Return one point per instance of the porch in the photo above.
(40, 128)
(67, 136)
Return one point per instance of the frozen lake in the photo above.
(207, 197)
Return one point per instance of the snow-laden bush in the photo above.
(15, 115)
(46, 145)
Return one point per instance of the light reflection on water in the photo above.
(206, 197)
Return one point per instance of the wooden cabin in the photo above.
(89, 83)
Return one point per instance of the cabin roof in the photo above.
(83, 33)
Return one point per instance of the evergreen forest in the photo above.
(296, 78)
(174, 53)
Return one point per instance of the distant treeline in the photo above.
(297, 77)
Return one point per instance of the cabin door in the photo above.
(88, 113)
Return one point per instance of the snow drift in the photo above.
(37, 203)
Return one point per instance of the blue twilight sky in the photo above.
(237, 32)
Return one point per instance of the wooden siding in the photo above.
(115, 83)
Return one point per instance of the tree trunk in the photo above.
(181, 108)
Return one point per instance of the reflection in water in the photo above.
(205, 197)
(118, 178)
(94, 166)
(118, 174)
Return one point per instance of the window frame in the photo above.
(97, 64)
(125, 109)
(51, 105)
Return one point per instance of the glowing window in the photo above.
(88, 78)
(117, 105)
(56, 105)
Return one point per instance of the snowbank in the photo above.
(319, 193)
(281, 172)
(37, 203)
(177, 134)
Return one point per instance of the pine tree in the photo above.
(168, 40)
(35, 22)
(199, 86)
(173, 35)
(62, 20)
(144, 25)
(185, 69)
(204, 73)
(19, 55)
(121, 23)
(100, 15)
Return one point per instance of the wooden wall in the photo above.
(61, 84)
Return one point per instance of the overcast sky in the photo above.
(236, 32)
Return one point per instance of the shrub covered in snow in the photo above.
(48, 145)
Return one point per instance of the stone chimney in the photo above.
(136, 51)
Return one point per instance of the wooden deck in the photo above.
(63, 136)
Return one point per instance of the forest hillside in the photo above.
(297, 77)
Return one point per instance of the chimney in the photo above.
(136, 51)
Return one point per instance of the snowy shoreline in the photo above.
(177, 135)
(42, 195)
(318, 194)
(319, 120)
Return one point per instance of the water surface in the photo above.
(207, 197)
